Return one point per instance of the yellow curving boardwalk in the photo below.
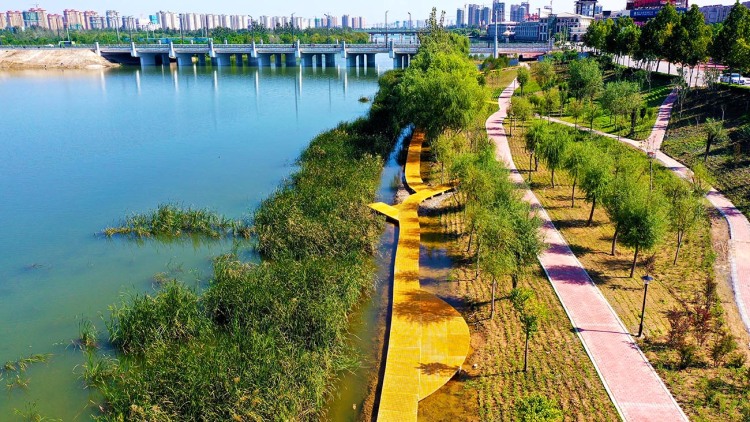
(429, 339)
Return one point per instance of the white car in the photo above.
(733, 78)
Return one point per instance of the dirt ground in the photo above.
(53, 59)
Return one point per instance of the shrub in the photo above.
(537, 408)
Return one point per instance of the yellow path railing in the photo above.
(429, 339)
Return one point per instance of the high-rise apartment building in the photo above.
(55, 22)
(498, 11)
(474, 16)
(3, 21)
(519, 12)
(460, 18)
(485, 17)
(74, 19)
(346, 22)
(111, 16)
(15, 19)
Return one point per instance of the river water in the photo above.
(81, 150)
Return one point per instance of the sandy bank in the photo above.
(52, 59)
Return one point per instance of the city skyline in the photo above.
(373, 13)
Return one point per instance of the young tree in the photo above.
(523, 76)
(544, 73)
(655, 34)
(591, 112)
(529, 313)
(623, 38)
(715, 132)
(526, 243)
(685, 211)
(522, 109)
(536, 135)
(644, 225)
(494, 258)
(597, 174)
(619, 197)
(552, 151)
(576, 110)
(551, 101)
(574, 162)
(622, 99)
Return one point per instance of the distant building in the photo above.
(55, 22)
(474, 16)
(715, 13)
(519, 12)
(527, 31)
(573, 26)
(643, 10)
(3, 21)
(504, 30)
(585, 7)
(15, 19)
(460, 18)
(498, 11)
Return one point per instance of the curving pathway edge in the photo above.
(739, 226)
(428, 339)
(631, 382)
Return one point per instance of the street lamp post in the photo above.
(386, 28)
(647, 279)
(182, 23)
(409, 20)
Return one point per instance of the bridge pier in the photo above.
(370, 60)
(238, 60)
(330, 59)
(252, 61)
(151, 59)
(221, 60)
(264, 59)
(201, 59)
(290, 59)
(306, 60)
(184, 60)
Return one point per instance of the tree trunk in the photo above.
(471, 237)
(709, 140)
(526, 354)
(553, 178)
(635, 260)
(492, 306)
(591, 215)
(536, 163)
(633, 117)
(669, 68)
(679, 244)
(614, 239)
(477, 269)
(573, 195)
(531, 156)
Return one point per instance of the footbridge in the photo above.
(305, 55)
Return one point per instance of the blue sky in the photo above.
(373, 11)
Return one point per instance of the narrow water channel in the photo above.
(355, 391)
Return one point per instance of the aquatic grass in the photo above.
(88, 337)
(169, 220)
(264, 341)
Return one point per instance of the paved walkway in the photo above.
(631, 382)
(739, 227)
(429, 339)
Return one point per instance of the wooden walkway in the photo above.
(429, 339)
(631, 382)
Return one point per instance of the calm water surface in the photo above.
(81, 150)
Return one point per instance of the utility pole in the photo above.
(496, 51)
(409, 19)
(292, 27)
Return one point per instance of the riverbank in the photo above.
(53, 59)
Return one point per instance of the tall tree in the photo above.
(731, 46)
(536, 135)
(585, 79)
(622, 40)
(689, 40)
(597, 33)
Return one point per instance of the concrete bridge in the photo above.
(305, 55)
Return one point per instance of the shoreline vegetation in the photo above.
(171, 221)
(263, 341)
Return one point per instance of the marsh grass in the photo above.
(169, 220)
(263, 341)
